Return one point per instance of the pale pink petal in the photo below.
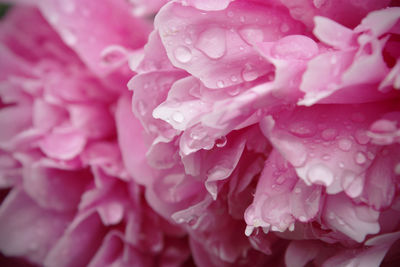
(354, 220)
(299, 253)
(131, 142)
(27, 230)
(54, 188)
(204, 47)
(63, 144)
(79, 242)
(90, 27)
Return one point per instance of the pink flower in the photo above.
(70, 200)
(263, 133)
(295, 100)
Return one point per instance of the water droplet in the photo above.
(235, 90)
(326, 157)
(302, 129)
(284, 28)
(360, 158)
(183, 54)
(341, 165)
(251, 34)
(141, 107)
(242, 19)
(291, 227)
(221, 142)
(241, 48)
(230, 14)
(361, 137)
(333, 60)
(234, 78)
(220, 84)
(198, 135)
(331, 215)
(280, 180)
(212, 42)
(188, 41)
(345, 144)
(320, 174)
(113, 54)
(297, 190)
(178, 117)
(318, 3)
(329, 134)
(249, 73)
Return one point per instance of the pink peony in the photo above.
(283, 115)
(263, 133)
(70, 200)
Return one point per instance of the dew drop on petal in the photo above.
(249, 73)
(280, 180)
(251, 34)
(234, 91)
(318, 3)
(221, 142)
(345, 144)
(113, 54)
(326, 157)
(212, 43)
(220, 84)
(361, 137)
(302, 129)
(329, 134)
(360, 158)
(183, 54)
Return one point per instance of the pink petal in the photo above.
(26, 230)
(207, 44)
